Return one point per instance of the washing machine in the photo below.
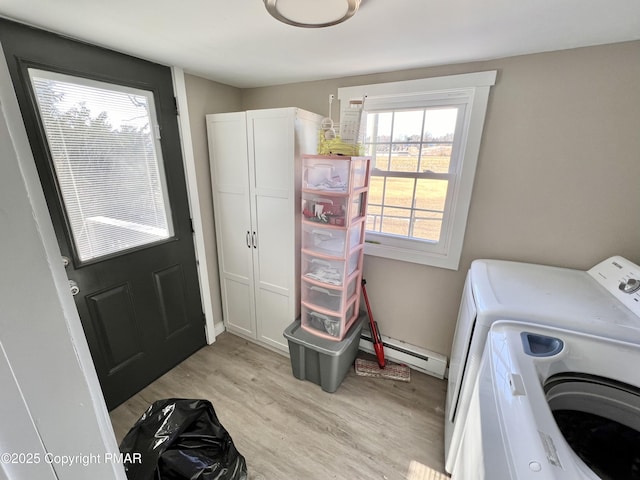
(552, 404)
(599, 302)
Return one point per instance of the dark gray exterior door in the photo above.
(104, 134)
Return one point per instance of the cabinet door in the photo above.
(272, 170)
(234, 232)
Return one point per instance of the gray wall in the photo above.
(558, 178)
(203, 97)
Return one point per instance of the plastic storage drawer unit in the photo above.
(323, 362)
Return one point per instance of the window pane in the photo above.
(440, 124)
(108, 165)
(396, 221)
(427, 227)
(380, 158)
(407, 126)
(436, 157)
(379, 127)
(376, 188)
(431, 194)
(439, 129)
(399, 192)
(404, 161)
(374, 219)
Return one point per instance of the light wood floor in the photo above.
(288, 429)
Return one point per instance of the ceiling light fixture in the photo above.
(312, 13)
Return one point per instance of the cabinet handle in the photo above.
(253, 240)
(248, 244)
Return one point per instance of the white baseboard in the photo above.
(417, 358)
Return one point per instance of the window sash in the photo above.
(438, 245)
(414, 208)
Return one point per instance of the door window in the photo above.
(104, 145)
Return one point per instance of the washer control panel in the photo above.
(621, 278)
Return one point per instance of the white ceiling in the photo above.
(236, 42)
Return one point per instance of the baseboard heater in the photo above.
(417, 358)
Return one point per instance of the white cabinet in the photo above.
(255, 174)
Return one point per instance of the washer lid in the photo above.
(548, 295)
(513, 380)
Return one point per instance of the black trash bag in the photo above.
(181, 439)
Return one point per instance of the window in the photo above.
(423, 137)
(107, 162)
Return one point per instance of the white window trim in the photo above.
(474, 88)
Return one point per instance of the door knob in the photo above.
(73, 286)
(65, 262)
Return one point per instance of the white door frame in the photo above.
(189, 160)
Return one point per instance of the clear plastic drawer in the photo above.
(329, 240)
(329, 271)
(326, 325)
(332, 210)
(334, 173)
(325, 209)
(326, 298)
